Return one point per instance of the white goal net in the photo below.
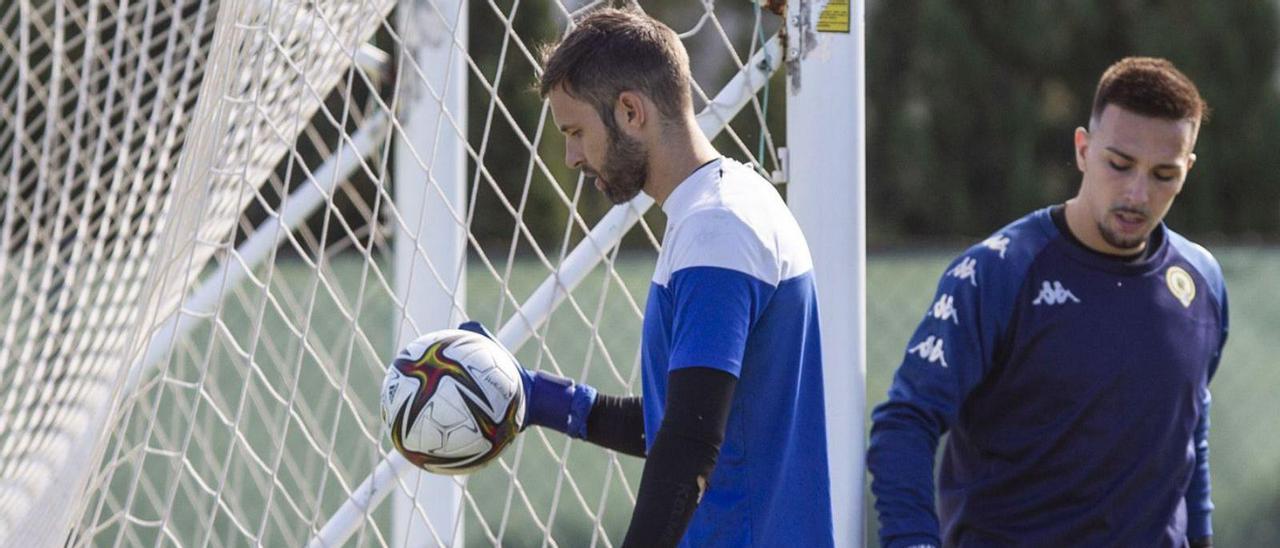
(222, 218)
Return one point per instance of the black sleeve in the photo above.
(617, 423)
(683, 455)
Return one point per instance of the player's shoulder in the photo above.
(721, 237)
(1004, 257)
(734, 190)
(1205, 264)
(734, 219)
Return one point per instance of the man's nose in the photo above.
(572, 157)
(1136, 190)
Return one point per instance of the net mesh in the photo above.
(197, 286)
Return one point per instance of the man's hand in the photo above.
(526, 378)
(550, 400)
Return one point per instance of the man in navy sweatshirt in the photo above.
(1068, 356)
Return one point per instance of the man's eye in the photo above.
(1165, 177)
(1118, 167)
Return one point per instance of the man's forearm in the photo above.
(684, 453)
(900, 460)
(617, 423)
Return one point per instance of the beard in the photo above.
(1124, 241)
(625, 169)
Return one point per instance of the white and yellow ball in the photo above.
(452, 401)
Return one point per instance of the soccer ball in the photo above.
(452, 401)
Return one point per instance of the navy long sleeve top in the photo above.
(1074, 387)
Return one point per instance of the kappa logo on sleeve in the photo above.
(999, 242)
(930, 350)
(1051, 294)
(966, 270)
(945, 309)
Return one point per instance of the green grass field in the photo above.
(544, 484)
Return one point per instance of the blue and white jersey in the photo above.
(1075, 390)
(733, 290)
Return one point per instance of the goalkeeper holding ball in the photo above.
(731, 419)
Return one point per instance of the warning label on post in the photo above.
(834, 17)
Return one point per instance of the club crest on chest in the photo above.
(1180, 285)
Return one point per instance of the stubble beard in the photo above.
(625, 169)
(1120, 241)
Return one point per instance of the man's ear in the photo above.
(1082, 147)
(631, 111)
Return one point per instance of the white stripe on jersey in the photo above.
(725, 215)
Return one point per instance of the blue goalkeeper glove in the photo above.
(551, 401)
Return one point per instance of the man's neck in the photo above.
(674, 158)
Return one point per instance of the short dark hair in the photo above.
(615, 50)
(1151, 87)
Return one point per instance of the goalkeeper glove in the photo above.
(551, 401)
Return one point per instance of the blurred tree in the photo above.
(504, 43)
(972, 106)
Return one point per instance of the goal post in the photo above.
(827, 192)
(430, 186)
(222, 218)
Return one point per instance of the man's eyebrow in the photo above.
(1129, 158)
(1120, 154)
